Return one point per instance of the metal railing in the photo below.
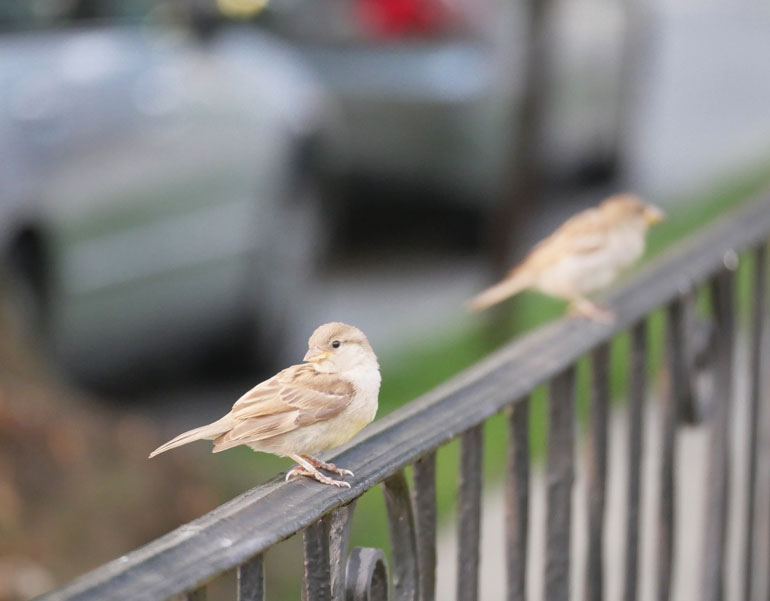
(236, 535)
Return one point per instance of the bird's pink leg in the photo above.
(590, 310)
(306, 468)
(329, 467)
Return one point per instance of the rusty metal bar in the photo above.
(597, 472)
(637, 389)
(561, 475)
(316, 583)
(670, 394)
(424, 501)
(251, 580)
(517, 501)
(756, 334)
(469, 515)
(718, 481)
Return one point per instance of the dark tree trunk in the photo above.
(522, 191)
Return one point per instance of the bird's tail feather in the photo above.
(513, 284)
(207, 432)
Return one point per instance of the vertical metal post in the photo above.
(561, 475)
(597, 472)
(316, 584)
(756, 335)
(671, 394)
(517, 500)
(251, 580)
(718, 480)
(403, 541)
(424, 501)
(637, 389)
(469, 515)
(339, 542)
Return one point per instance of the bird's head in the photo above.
(630, 208)
(337, 346)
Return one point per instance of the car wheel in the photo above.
(25, 296)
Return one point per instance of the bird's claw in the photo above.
(329, 467)
(300, 471)
(337, 483)
(593, 311)
(292, 473)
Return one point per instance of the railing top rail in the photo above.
(254, 521)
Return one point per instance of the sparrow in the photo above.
(304, 409)
(584, 255)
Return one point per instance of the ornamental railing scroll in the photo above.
(694, 384)
(361, 574)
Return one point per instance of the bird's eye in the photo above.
(336, 344)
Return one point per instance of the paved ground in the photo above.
(691, 469)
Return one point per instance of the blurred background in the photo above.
(189, 187)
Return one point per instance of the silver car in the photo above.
(156, 187)
(426, 89)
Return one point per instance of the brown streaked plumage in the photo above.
(584, 255)
(304, 409)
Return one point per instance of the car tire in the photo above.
(24, 301)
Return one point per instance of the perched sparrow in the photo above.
(304, 409)
(584, 255)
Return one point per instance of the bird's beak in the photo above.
(653, 214)
(316, 355)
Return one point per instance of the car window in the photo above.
(41, 14)
(115, 9)
(33, 13)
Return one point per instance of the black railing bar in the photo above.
(637, 391)
(339, 547)
(517, 501)
(251, 580)
(469, 514)
(596, 460)
(717, 490)
(401, 526)
(560, 478)
(425, 510)
(757, 327)
(316, 578)
(248, 524)
(670, 396)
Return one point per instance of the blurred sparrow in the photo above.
(584, 255)
(304, 409)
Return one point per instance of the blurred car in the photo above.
(157, 187)
(426, 89)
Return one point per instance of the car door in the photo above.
(151, 193)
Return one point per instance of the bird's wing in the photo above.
(295, 397)
(583, 233)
